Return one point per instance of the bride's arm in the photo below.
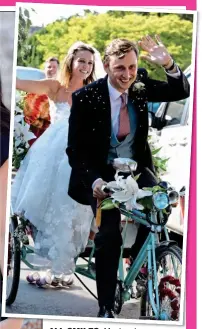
(40, 87)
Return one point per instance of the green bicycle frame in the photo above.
(147, 252)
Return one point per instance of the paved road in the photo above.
(73, 301)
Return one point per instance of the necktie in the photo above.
(124, 121)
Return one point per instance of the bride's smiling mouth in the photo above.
(84, 72)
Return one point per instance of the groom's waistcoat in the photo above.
(124, 149)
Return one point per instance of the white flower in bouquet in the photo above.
(19, 150)
(18, 110)
(120, 181)
(18, 141)
(17, 97)
(22, 133)
(18, 118)
(129, 194)
(22, 130)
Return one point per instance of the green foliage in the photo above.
(108, 204)
(187, 17)
(99, 29)
(146, 202)
(23, 43)
(160, 163)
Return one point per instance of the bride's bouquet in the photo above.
(22, 133)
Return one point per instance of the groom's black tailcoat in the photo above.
(90, 128)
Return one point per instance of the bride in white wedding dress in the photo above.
(40, 187)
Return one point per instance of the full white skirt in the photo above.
(40, 191)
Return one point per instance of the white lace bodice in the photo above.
(59, 111)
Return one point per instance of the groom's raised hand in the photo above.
(156, 52)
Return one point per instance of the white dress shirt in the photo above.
(115, 102)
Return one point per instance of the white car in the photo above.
(29, 73)
(173, 128)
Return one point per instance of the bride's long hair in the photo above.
(66, 68)
(4, 115)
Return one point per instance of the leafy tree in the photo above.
(23, 44)
(99, 29)
(188, 17)
(119, 13)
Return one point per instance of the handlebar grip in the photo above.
(106, 189)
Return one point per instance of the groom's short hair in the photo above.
(119, 47)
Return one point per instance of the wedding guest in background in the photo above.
(51, 67)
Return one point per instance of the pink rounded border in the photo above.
(191, 237)
(191, 306)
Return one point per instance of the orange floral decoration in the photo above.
(36, 110)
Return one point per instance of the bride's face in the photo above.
(82, 65)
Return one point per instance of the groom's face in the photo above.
(122, 72)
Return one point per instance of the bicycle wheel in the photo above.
(13, 266)
(169, 269)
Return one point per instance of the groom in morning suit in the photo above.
(109, 119)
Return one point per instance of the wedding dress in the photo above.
(40, 192)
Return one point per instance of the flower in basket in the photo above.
(36, 110)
